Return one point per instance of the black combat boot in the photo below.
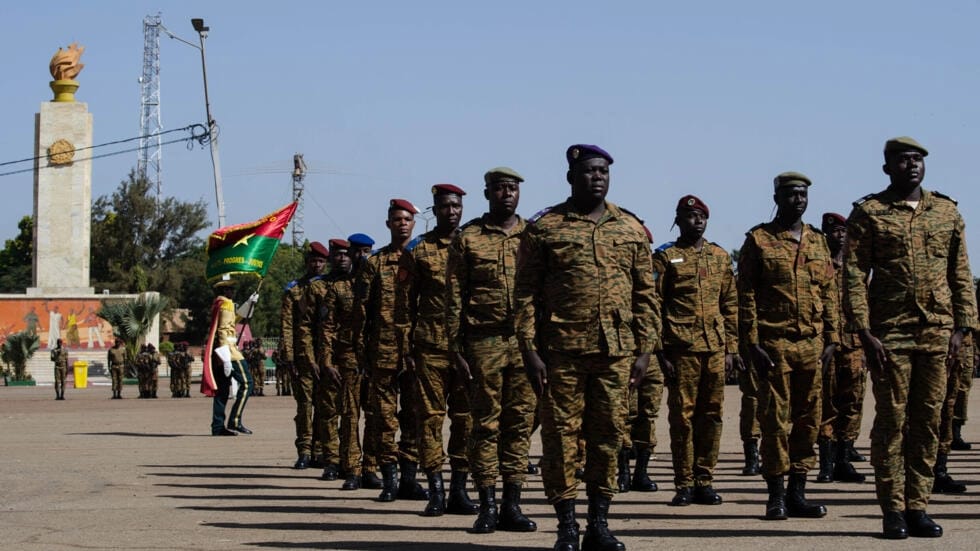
(641, 480)
(437, 495)
(352, 482)
(409, 487)
(796, 503)
(533, 469)
(486, 521)
(389, 484)
(943, 483)
(826, 448)
(921, 526)
(959, 444)
(302, 462)
(370, 481)
(331, 472)
(852, 454)
(511, 518)
(893, 526)
(459, 502)
(776, 506)
(597, 536)
(623, 470)
(751, 450)
(567, 527)
(704, 494)
(843, 470)
(683, 497)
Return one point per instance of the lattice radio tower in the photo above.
(148, 163)
(299, 173)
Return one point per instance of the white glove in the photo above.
(227, 369)
(224, 353)
(254, 297)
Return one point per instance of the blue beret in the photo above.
(360, 240)
(581, 152)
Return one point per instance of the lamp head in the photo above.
(198, 25)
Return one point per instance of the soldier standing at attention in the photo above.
(382, 335)
(843, 380)
(298, 351)
(912, 316)
(283, 378)
(699, 309)
(152, 360)
(185, 360)
(60, 358)
(480, 273)
(586, 326)
(440, 388)
(116, 358)
(788, 316)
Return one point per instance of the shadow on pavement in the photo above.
(133, 434)
(428, 546)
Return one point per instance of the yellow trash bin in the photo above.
(81, 374)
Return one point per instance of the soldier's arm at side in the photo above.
(728, 306)
(660, 275)
(646, 316)
(531, 268)
(286, 324)
(961, 280)
(857, 270)
(748, 282)
(457, 281)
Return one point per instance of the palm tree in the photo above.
(17, 350)
(131, 321)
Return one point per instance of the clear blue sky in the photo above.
(387, 98)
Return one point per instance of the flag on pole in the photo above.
(247, 249)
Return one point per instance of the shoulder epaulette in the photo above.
(537, 216)
(291, 284)
(627, 211)
(863, 199)
(468, 224)
(755, 227)
(815, 229)
(944, 196)
(414, 242)
(317, 277)
(665, 246)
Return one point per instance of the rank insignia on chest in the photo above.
(676, 260)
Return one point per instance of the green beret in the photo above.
(904, 143)
(790, 178)
(502, 173)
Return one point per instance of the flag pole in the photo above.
(251, 310)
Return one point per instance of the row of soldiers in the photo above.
(503, 319)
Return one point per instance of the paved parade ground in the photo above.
(95, 473)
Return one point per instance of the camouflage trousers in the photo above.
(258, 375)
(502, 408)
(694, 402)
(350, 417)
(441, 389)
(843, 396)
(284, 385)
(387, 389)
(749, 410)
(953, 390)
(581, 387)
(60, 374)
(791, 414)
(306, 392)
(116, 373)
(326, 418)
(641, 409)
(185, 380)
(177, 379)
(908, 400)
(966, 380)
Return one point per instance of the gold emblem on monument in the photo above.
(61, 152)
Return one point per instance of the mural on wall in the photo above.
(71, 320)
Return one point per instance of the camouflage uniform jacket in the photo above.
(116, 356)
(849, 340)
(697, 296)
(480, 273)
(786, 287)
(425, 263)
(289, 313)
(338, 317)
(308, 332)
(586, 286)
(60, 357)
(380, 336)
(921, 273)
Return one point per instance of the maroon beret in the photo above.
(402, 204)
(447, 189)
(338, 243)
(583, 151)
(691, 202)
(833, 219)
(317, 249)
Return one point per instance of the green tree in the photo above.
(131, 320)
(137, 241)
(16, 259)
(286, 266)
(17, 350)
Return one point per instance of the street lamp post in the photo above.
(202, 31)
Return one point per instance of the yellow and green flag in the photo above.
(247, 249)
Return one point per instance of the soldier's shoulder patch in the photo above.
(538, 215)
(414, 243)
(318, 277)
(291, 284)
(864, 199)
(944, 196)
(664, 247)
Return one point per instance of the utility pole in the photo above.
(149, 156)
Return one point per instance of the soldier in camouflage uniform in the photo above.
(256, 362)
(440, 388)
(283, 373)
(699, 309)
(116, 359)
(843, 380)
(299, 354)
(480, 330)
(912, 317)
(748, 413)
(788, 317)
(152, 363)
(969, 366)
(60, 358)
(640, 436)
(586, 326)
(175, 379)
(381, 340)
(944, 482)
(187, 361)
